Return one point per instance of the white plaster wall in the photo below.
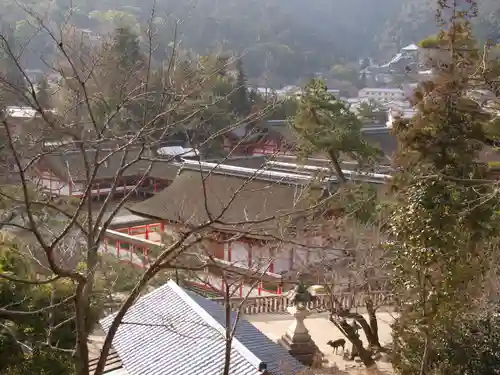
(239, 253)
(54, 186)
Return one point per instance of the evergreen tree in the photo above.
(362, 80)
(326, 125)
(365, 63)
(126, 47)
(13, 86)
(43, 94)
(240, 98)
(443, 220)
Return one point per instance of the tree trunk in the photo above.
(372, 338)
(336, 166)
(229, 333)
(353, 337)
(370, 308)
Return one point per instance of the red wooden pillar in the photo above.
(162, 226)
(147, 232)
(259, 288)
(249, 255)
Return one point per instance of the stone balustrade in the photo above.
(279, 304)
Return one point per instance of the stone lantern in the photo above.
(296, 339)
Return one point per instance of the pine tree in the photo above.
(362, 80)
(13, 86)
(326, 125)
(43, 94)
(443, 220)
(126, 47)
(240, 98)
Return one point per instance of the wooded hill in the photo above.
(282, 41)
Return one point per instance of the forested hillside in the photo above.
(282, 41)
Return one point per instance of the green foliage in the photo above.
(468, 346)
(43, 94)
(41, 362)
(239, 99)
(442, 223)
(326, 125)
(282, 41)
(372, 112)
(432, 41)
(473, 346)
(30, 331)
(356, 200)
(125, 48)
(348, 73)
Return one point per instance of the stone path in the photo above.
(321, 331)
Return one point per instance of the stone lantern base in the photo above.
(297, 340)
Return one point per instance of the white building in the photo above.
(382, 94)
(395, 114)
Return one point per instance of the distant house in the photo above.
(172, 331)
(381, 94)
(64, 173)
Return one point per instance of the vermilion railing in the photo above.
(126, 246)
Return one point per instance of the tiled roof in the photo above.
(70, 162)
(113, 363)
(171, 331)
(380, 136)
(231, 198)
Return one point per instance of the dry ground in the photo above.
(321, 331)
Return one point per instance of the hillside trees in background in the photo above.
(445, 218)
(282, 43)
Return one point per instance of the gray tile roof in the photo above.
(70, 163)
(260, 203)
(173, 331)
(113, 363)
(382, 138)
(378, 136)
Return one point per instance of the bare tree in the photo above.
(113, 120)
(355, 261)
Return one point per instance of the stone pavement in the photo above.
(321, 331)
